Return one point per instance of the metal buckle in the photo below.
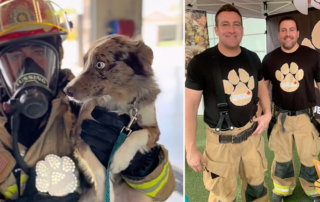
(223, 107)
(133, 117)
(127, 132)
(223, 112)
(232, 138)
(292, 113)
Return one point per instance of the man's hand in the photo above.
(101, 134)
(195, 159)
(192, 101)
(263, 123)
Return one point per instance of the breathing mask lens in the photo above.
(30, 74)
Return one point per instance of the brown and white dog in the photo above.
(117, 74)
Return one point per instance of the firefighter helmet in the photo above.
(27, 19)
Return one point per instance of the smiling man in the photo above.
(292, 70)
(230, 79)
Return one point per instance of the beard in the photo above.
(291, 45)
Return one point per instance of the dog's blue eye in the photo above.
(100, 65)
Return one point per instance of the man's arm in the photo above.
(263, 94)
(259, 112)
(267, 82)
(318, 85)
(192, 101)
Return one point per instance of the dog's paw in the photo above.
(135, 142)
(122, 158)
(144, 149)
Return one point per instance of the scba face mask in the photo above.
(29, 72)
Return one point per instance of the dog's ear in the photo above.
(137, 38)
(85, 58)
(139, 58)
(145, 55)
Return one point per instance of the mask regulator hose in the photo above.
(15, 123)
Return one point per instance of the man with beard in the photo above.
(233, 141)
(292, 69)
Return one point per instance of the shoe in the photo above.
(316, 200)
(277, 198)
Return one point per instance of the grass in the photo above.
(196, 191)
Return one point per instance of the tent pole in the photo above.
(210, 4)
(279, 2)
(233, 4)
(194, 1)
(280, 8)
(242, 6)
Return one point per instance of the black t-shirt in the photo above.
(292, 76)
(238, 85)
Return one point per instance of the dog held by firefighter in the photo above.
(117, 75)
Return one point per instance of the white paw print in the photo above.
(55, 175)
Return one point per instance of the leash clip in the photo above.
(133, 117)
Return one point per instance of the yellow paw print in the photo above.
(239, 87)
(289, 82)
(315, 39)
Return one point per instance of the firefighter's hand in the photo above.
(195, 160)
(143, 164)
(263, 123)
(102, 132)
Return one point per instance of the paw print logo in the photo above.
(55, 175)
(314, 43)
(239, 87)
(289, 82)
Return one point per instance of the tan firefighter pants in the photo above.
(225, 161)
(300, 130)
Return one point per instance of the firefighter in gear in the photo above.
(292, 69)
(230, 79)
(36, 154)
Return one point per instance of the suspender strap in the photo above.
(218, 82)
(222, 103)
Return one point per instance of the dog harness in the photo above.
(125, 132)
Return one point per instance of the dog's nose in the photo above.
(70, 91)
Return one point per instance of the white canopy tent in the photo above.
(247, 8)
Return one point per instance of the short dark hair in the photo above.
(229, 8)
(287, 18)
(196, 15)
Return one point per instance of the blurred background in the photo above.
(160, 24)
